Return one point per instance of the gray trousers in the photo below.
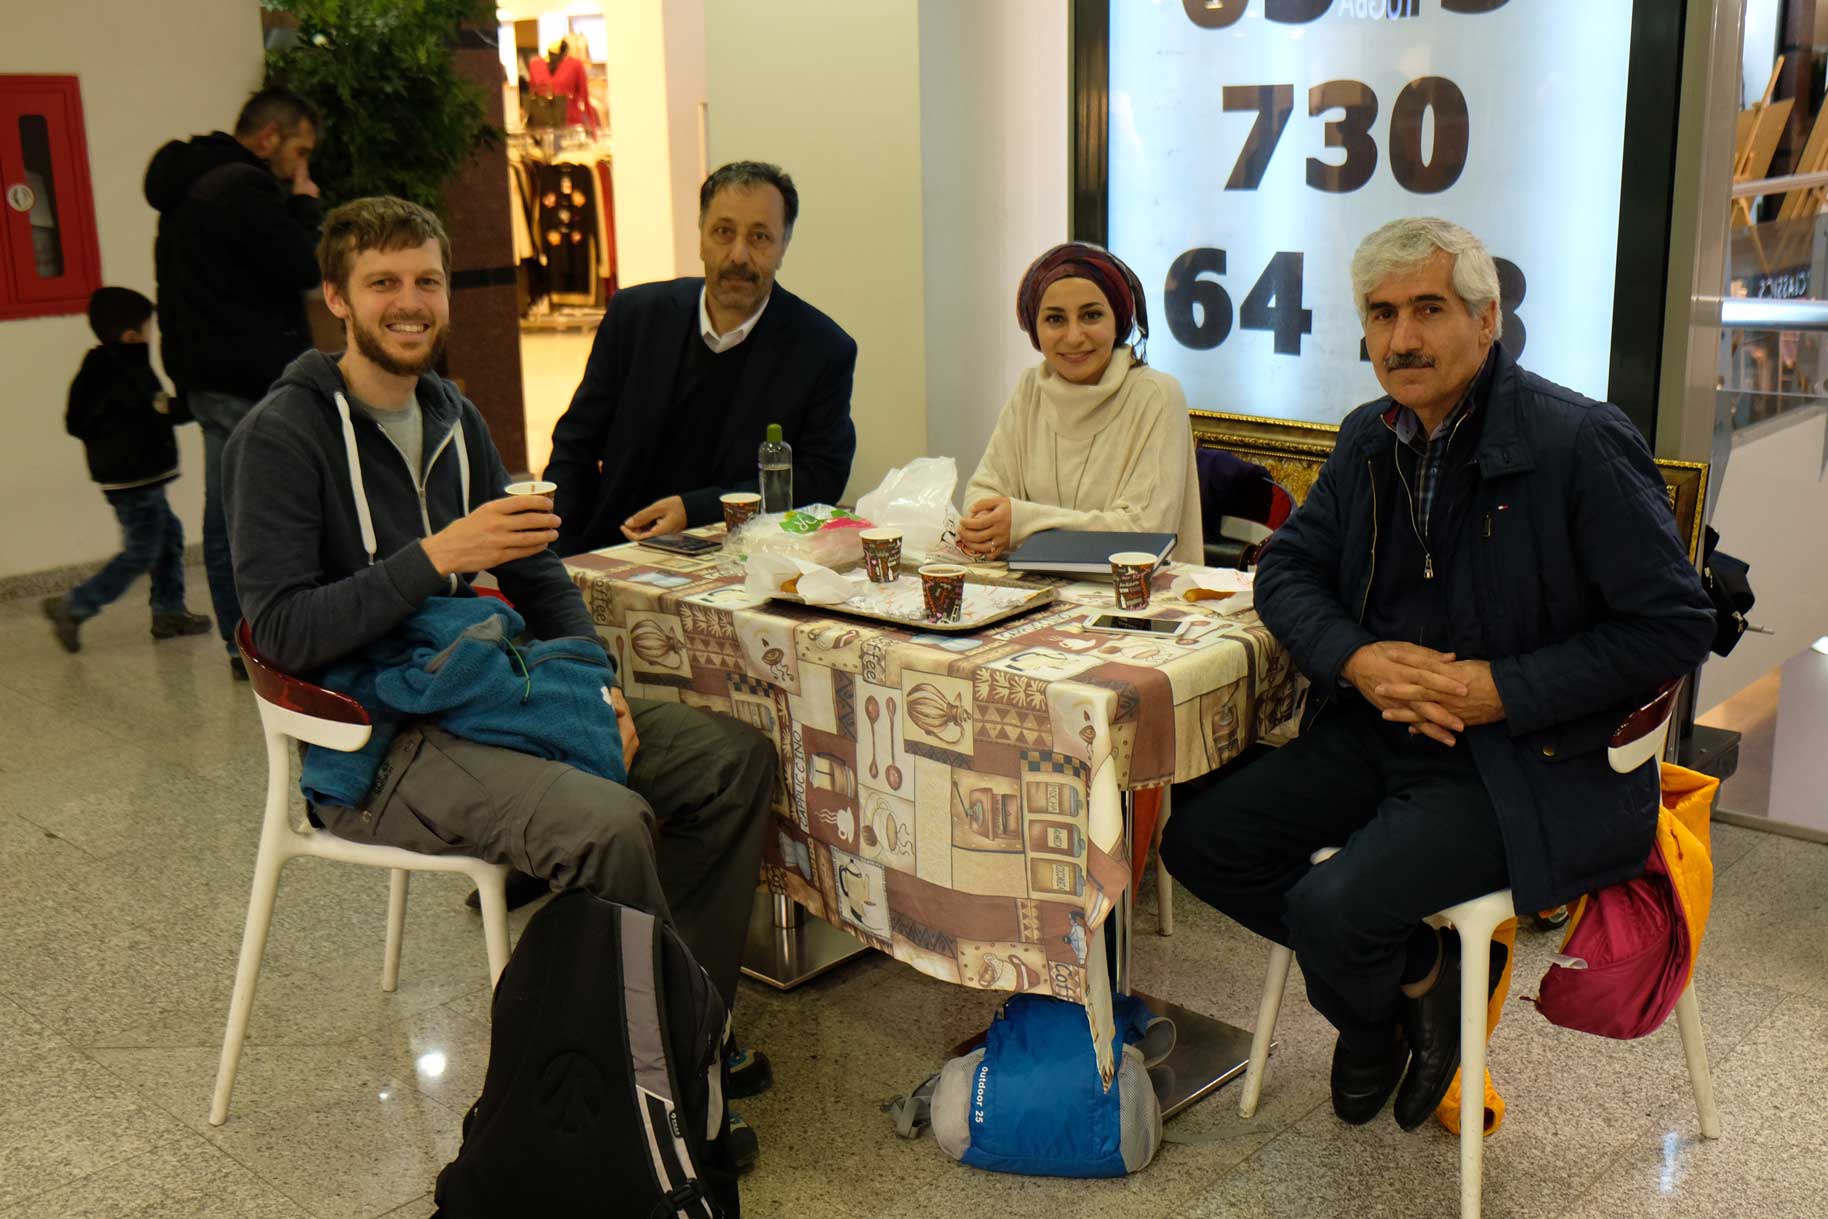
(682, 841)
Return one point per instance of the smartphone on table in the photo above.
(681, 543)
(1136, 624)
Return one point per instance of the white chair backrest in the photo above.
(283, 721)
(1633, 754)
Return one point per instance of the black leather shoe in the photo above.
(1431, 1026)
(520, 889)
(1361, 1084)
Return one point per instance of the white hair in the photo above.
(1403, 245)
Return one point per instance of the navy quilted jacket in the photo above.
(1566, 573)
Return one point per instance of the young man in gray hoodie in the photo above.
(363, 484)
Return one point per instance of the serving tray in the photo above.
(900, 604)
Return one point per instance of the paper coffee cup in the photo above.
(1130, 572)
(538, 486)
(942, 590)
(881, 554)
(739, 506)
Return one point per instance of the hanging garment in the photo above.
(607, 196)
(566, 232)
(530, 276)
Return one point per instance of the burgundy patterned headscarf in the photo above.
(1082, 260)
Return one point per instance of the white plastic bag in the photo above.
(817, 533)
(917, 499)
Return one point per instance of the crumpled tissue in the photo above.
(769, 575)
(1232, 590)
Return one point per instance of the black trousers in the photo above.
(1417, 834)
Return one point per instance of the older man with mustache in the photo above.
(685, 377)
(1484, 580)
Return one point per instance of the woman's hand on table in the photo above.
(662, 516)
(984, 533)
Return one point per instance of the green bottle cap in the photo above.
(774, 433)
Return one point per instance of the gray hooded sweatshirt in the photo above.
(329, 553)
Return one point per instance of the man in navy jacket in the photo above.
(685, 377)
(1484, 580)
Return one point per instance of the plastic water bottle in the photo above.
(774, 465)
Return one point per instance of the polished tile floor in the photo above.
(130, 783)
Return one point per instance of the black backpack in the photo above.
(1724, 578)
(605, 1089)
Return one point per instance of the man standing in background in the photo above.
(236, 251)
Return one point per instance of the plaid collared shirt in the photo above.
(1431, 452)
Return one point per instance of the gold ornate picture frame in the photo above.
(1293, 453)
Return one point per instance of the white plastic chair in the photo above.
(1638, 740)
(295, 710)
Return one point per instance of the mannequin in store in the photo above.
(685, 376)
(562, 74)
(1482, 584)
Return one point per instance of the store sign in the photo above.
(1254, 143)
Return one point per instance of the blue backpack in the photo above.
(1031, 1101)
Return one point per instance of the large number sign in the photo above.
(1253, 143)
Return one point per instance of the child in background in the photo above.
(118, 410)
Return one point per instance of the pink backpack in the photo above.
(1631, 947)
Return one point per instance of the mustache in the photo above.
(426, 318)
(745, 276)
(1398, 360)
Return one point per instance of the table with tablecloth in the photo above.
(952, 800)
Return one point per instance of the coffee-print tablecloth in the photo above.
(952, 801)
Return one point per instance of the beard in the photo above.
(372, 344)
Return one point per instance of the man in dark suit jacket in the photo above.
(685, 377)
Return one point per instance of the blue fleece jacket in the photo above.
(455, 662)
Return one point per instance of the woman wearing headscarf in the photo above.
(1092, 438)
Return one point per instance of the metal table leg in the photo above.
(1207, 1053)
(787, 946)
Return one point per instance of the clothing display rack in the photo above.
(563, 215)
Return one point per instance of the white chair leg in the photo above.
(1688, 1022)
(247, 975)
(1475, 986)
(1164, 883)
(492, 886)
(1280, 959)
(396, 928)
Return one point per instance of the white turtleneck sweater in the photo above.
(1113, 455)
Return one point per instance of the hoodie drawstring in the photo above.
(363, 515)
(463, 465)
